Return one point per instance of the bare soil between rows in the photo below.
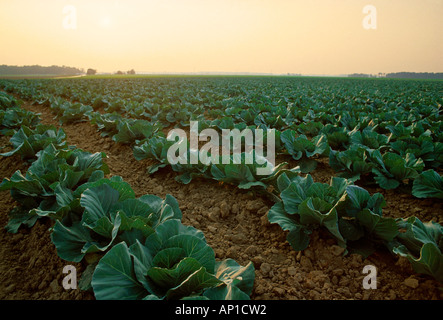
(235, 224)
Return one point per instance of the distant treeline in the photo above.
(361, 75)
(399, 75)
(415, 75)
(39, 70)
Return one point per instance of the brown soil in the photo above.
(235, 224)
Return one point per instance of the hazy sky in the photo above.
(279, 36)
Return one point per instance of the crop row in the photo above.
(366, 139)
(137, 248)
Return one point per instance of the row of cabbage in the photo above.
(372, 141)
(134, 248)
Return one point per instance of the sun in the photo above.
(105, 22)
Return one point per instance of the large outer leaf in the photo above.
(296, 193)
(194, 248)
(114, 278)
(294, 148)
(74, 241)
(133, 208)
(285, 179)
(143, 261)
(383, 228)
(298, 236)
(23, 185)
(428, 184)
(356, 199)
(317, 211)
(91, 161)
(162, 279)
(19, 217)
(278, 215)
(116, 182)
(385, 182)
(416, 233)
(69, 241)
(173, 227)
(21, 144)
(430, 260)
(98, 202)
(421, 243)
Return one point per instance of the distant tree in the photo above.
(39, 70)
(132, 71)
(91, 72)
(120, 72)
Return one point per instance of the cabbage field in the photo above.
(87, 182)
